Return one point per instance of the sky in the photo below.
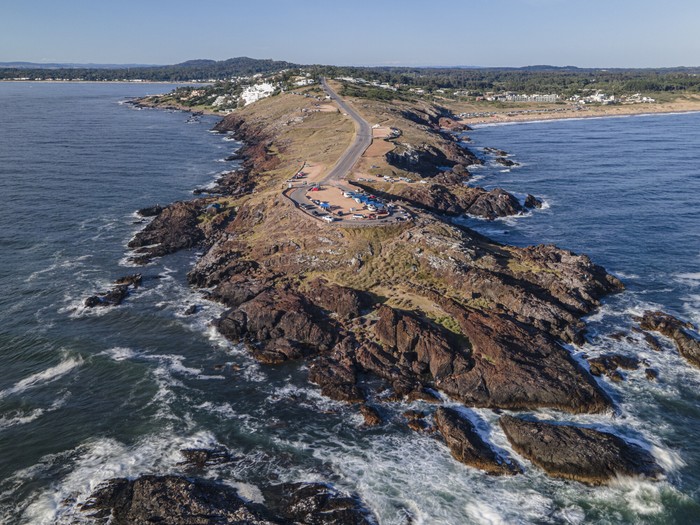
(584, 33)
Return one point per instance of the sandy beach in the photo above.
(539, 112)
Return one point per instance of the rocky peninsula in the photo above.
(425, 307)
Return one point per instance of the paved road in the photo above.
(363, 139)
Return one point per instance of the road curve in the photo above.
(363, 139)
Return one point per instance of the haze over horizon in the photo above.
(487, 33)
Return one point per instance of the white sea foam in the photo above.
(15, 419)
(119, 353)
(483, 514)
(22, 418)
(100, 460)
(693, 277)
(45, 376)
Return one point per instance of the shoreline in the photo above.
(521, 115)
(514, 122)
(326, 318)
(58, 81)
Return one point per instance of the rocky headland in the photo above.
(429, 309)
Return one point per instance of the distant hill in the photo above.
(43, 65)
(185, 71)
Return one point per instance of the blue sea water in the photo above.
(89, 395)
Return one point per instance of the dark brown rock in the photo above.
(452, 125)
(176, 500)
(468, 447)
(278, 326)
(451, 197)
(114, 297)
(413, 415)
(345, 302)
(150, 211)
(651, 374)
(134, 280)
(578, 453)
(315, 504)
(201, 458)
(372, 417)
(169, 499)
(175, 228)
(495, 151)
(418, 425)
(506, 162)
(682, 334)
(653, 342)
(607, 364)
(516, 367)
(532, 202)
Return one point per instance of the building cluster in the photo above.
(602, 98)
(519, 97)
(374, 83)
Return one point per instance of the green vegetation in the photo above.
(538, 79)
(202, 70)
(410, 83)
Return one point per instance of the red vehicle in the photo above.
(315, 188)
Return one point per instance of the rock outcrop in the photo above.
(681, 333)
(175, 228)
(448, 195)
(278, 326)
(608, 364)
(177, 500)
(578, 453)
(116, 295)
(468, 447)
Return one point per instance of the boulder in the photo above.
(372, 417)
(174, 500)
(468, 447)
(150, 211)
(683, 335)
(506, 162)
(532, 202)
(114, 297)
(315, 504)
(578, 453)
(607, 364)
(178, 500)
(134, 280)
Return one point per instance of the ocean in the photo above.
(87, 395)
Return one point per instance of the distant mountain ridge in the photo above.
(200, 69)
(69, 65)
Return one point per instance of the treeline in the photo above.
(186, 71)
(563, 81)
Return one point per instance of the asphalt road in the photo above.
(363, 139)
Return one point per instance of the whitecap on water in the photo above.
(19, 417)
(119, 353)
(45, 376)
(97, 461)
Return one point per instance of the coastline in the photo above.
(507, 117)
(590, 117)
(284, 306)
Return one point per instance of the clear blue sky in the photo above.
(586, 33)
